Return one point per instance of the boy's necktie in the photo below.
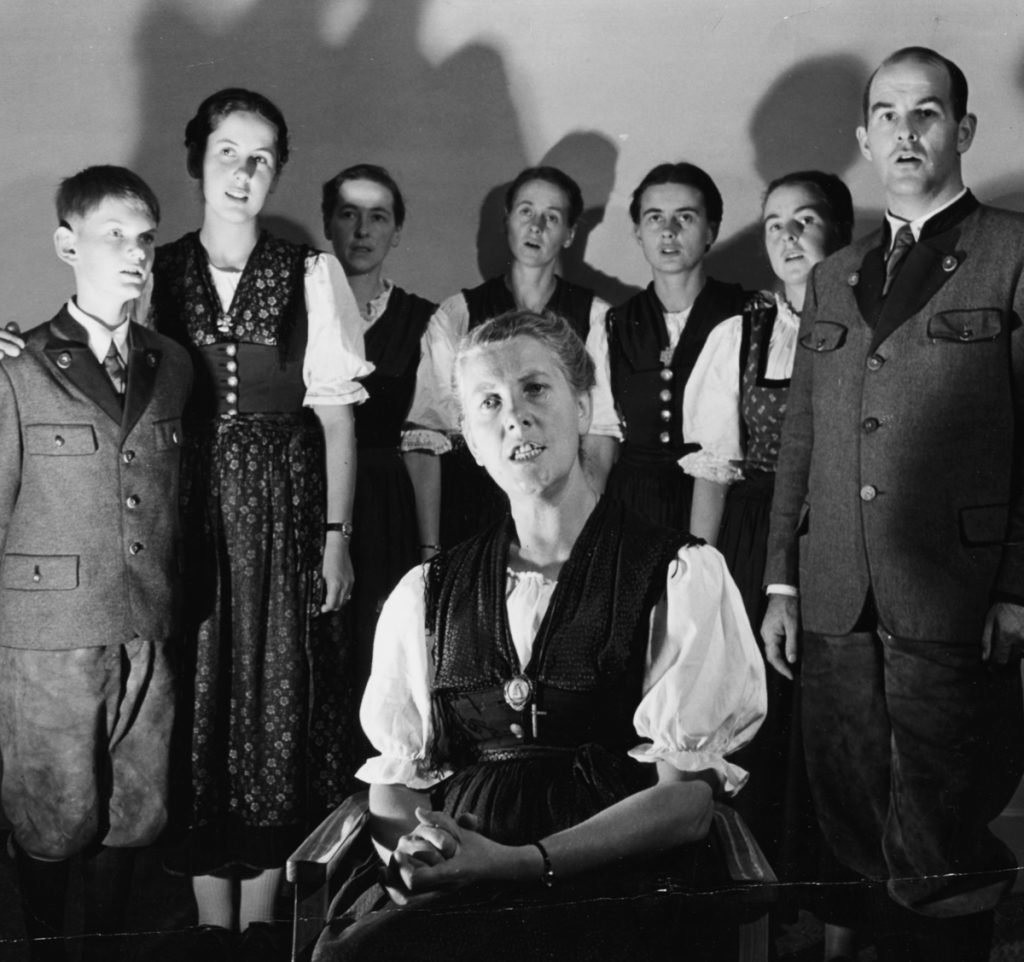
(900, 248)
(116, 370)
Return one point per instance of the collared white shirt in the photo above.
(101, 336)
(895, 223)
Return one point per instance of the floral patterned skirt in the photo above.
(268, 751)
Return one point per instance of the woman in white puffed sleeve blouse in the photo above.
(268, 473)
(552, 698)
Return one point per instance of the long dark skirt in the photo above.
(776, 802)
(656, 488)
(263, 716)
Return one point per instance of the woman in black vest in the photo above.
(550, 698)
(654, 340)
(363, 214)
(267, 483)
(734, 408)
(542, 206)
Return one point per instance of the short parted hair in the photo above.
(378, 175)
(218, 106)
(687, 175)
(957, 80)
(557, 178)
(833, 192)
(80, 193)
(548, 329)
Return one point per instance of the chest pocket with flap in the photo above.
(60, 440)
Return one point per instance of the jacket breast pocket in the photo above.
(40, 572)
(984, 524)
(824, 336)
(168, 434)
(966, 327)
(60, 440)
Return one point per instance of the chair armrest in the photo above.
(313, 863)
(744, 860)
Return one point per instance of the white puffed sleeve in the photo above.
(434, 410)
(395, 712)
(711, 407)
(335, 356)
(704, 689)
(605, 419)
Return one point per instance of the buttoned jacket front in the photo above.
(903, 446)
(89, 526)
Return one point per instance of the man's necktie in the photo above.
(116, 370)
(900, 247)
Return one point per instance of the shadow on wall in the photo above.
(589, 157)
(447, 132)
(1007, 191)
(807, 119)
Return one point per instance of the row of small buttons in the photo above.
(231, 398)
(665, 396)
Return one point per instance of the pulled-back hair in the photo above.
(957, 80)
(833, 192)
(686, 175)
(548, 329)
(215, 108)
(80, 193)
(557, 178)
(379, 175)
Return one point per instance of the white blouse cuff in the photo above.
(704, 464)
(385, 770)
(354, 395)
(423, 439)
(731, 777)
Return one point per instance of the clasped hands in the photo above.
(442, 853)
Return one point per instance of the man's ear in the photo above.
(965, 132)
(64, 244)
(862, 141)
(396, 237)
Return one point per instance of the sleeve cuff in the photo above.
(703, 464)
(789, 590)
(425, 440)
(355, 395)
(383, 770)
(731, 777)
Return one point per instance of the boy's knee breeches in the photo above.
(85, 737)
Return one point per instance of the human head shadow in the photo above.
(806, 119)
(370, 97)
(589, 157)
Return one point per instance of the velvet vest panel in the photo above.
(637, 335)
(587, 664)
(393, 345)
(568, 301)
(266, 322)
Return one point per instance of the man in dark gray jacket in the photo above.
(899, 519)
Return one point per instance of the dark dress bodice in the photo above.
(762, 400)
(493, 297)
(648, 383)
(249, 358)
(393, 346)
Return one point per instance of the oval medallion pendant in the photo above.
(518, 692)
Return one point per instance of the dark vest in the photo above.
(568, 301)
(643, 386)
(255, 366)
(762, 401)
(393, 345)
(588, 658)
